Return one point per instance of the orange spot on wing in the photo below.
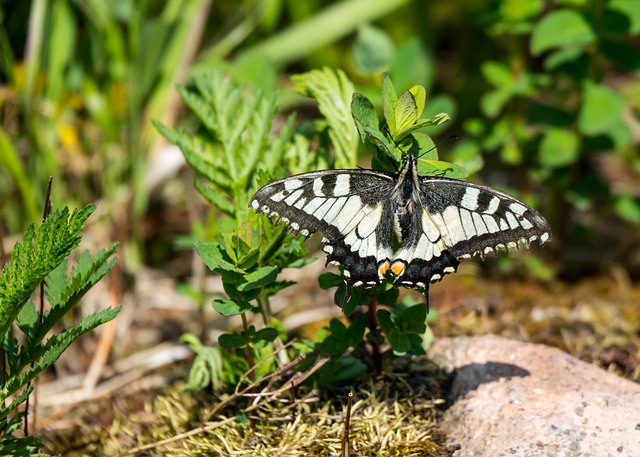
(383, 268)
(397, 267)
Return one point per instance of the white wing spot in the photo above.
(313, 205)
(481, 229)
(513, 222)
(369, 222)
(544, 237)
(518, 208)
(317, 187)
(291, 184)
(467, 223)
(295, 226)
(470, 198)
(343, 186)
(526, 224)
(493, 206)
(291, 199)
(300, 203)
(451, 218)
(304, 232)
(255, 205)
(492, 226)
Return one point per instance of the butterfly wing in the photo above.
(347, 206)
(458, 220)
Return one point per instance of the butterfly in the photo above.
(411, 228)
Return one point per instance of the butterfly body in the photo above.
(409, 227)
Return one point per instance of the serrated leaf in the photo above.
(259, 278)
(249, 259)
(231, 307)
(215, 197)
(562, 28)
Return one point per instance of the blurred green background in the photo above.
(544, 97)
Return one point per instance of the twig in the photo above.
(346, 442)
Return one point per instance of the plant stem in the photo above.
(373, 329)
(248, 349)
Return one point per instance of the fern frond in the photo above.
(39, 253)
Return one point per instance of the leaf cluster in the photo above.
(550, 106)
(42, 256)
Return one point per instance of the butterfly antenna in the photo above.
(435, 146)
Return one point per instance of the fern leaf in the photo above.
(39, 253)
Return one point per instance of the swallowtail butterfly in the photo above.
(411, 227)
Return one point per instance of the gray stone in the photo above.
(508, 398)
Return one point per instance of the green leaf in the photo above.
(372, 50)
(334, 94)
(399, 341)
(559, 148)
(366, 120)
(420, 96)
(230, 340)
(36, 256)
(412, 319)
(216, 258)
(363, 111)
(492, 102)
(231, 307)
(405, 116)
(561, 28)
(389, 102)
(563, 56)
(329, 280)
(259, 278)
(267, 334)
(630, 9)
(601, 108)
(497, 74)
(440, 168)
(628, 208)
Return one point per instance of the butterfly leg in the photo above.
(426, 296)
(347, 292)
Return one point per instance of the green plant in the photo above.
(250, 251)
(552, 108)
(42, 256)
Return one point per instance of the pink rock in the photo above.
(510, 398)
